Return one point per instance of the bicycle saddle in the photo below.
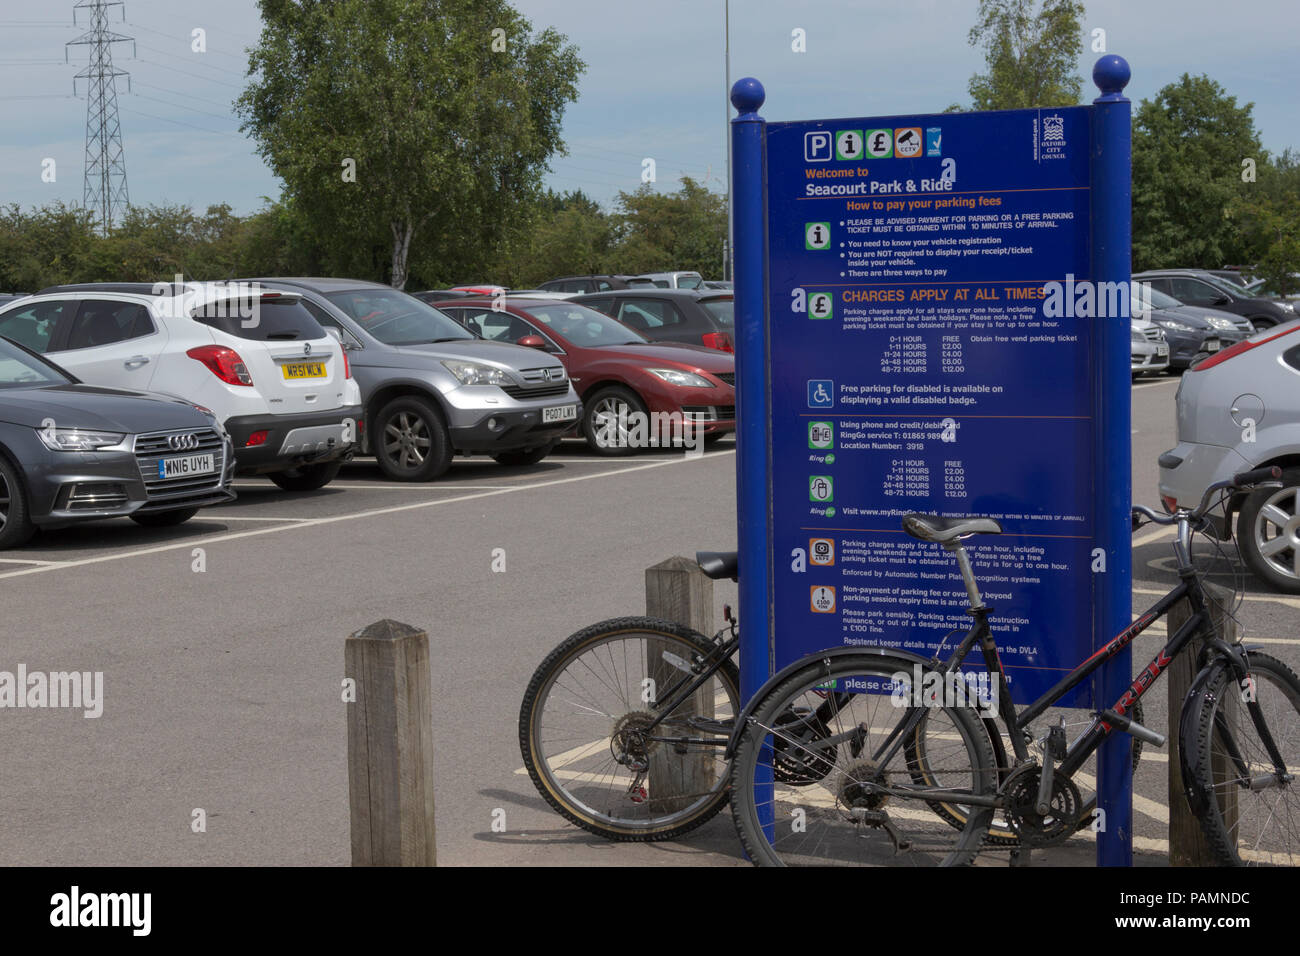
(942, 530)
(718, 564)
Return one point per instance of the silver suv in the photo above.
(430, 389)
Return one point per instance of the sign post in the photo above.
(931, 316)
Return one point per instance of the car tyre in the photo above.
(307, 477)
(164, 519)
(529, 457)
(410, 440)
(1268, 532)
(610, 400)
(15, 514)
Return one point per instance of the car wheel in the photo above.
(410, 440)
(15, 518)
(307, 477)
(608, 420)
(530, 457)
(1268, 532)
(164, 519)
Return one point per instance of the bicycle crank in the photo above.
(1020, 791)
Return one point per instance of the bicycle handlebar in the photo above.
(1242, 480)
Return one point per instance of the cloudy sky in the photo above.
(654, 87)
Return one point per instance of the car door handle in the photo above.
(135, 361)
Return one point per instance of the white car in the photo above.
(276, 381)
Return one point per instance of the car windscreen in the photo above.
(1152, 298)
(260, 318)
(584, 327)
(723, 310)
(1230, 289)
(18, 369)
(396, 318)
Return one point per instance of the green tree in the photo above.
(1188, 144)
(682, 230)
(1268, 215)
(1031, 53)
(448, 109)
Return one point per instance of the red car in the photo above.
(635, 393)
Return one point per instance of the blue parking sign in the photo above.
(821, 393)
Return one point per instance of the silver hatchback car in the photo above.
(1238, 410)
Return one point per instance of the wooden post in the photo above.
(1187, 844)
(390, 746)
(677, 590)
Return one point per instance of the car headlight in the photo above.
(1175, 326)
(675, 377)
(1219, 323)
(472, 373)
(1137, 336)
(78, 439)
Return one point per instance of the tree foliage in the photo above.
(1188, 145)
(1030, 51)
(447, 110)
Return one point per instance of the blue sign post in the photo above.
(931, 316)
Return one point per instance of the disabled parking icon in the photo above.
(821, 393)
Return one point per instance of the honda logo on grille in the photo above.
(551, 374)
(183, 442)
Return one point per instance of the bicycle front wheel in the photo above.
(598, 744)
(826, 771)
(1253, 816)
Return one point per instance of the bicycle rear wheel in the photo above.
(585, 737)
(808, 772)
(1253, 817)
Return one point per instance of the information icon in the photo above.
(821, 435)
(821, 488)
(817, 235)
(823, 599)
(821, 305)
(848, 144)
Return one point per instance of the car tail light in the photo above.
(255, 439)
(720, 341)
(1171, 503)
(222, 362)
(347, 366)
(1238, 349)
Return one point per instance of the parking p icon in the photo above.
(817, 146)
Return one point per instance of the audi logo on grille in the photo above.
(183, 442)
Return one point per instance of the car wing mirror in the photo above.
(532, 342)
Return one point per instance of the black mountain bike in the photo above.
(627, 728)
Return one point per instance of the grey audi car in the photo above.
(432, 390)
(71, 452)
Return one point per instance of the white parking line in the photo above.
(1279, 598)
(1155, 534)
(221, 517)
(30, 561)
(415, 486)
(312, 522)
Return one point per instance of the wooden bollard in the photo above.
(678, 591)
(390, 746)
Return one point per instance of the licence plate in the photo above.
(1212, 345)
(1162, 350)
(560, 413)
(188, 465)
(304, 370)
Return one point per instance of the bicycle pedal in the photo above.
(638, 795)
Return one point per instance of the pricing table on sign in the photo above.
(919, 367)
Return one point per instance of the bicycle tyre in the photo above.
(591, 789)
(1267, 826)
(809, 822)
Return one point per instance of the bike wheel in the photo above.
(807, 773)
(583, 738)
(1254, 817)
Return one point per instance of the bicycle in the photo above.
(919, 783)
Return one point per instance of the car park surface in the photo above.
(620, 375)
(430, 389)
(274, 784)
